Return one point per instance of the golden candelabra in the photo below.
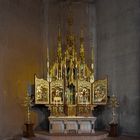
(114, 104)
(27, 104)
(29, 125)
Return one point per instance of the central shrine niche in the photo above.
(70, 88)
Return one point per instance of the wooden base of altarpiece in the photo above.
(68, 124)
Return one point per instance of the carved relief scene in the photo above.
(41, 91)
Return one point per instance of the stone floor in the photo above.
(109, 138)
(97, 136)
(123, 138)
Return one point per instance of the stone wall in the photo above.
(118, 40)
(20, 59)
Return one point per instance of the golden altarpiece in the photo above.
(70, 91)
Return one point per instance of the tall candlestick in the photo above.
(61, 71)
(92, 59)
(48, 65)
(92, 55)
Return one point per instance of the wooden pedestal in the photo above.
(113, 130)
(29, 130)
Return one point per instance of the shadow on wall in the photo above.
(43, 113)
(99, 124)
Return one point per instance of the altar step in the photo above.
(99, 135)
